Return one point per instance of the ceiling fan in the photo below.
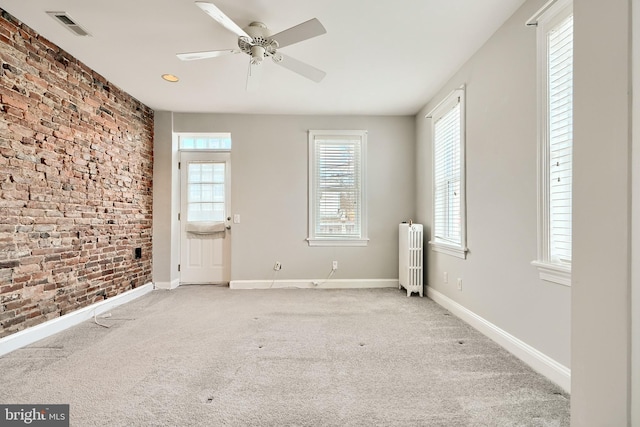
(257, 42)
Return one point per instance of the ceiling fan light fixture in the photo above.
(257, 54)
(170, 78)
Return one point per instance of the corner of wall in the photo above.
(165, 209)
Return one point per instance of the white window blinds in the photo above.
(560, 124)
(554, 33)
(338, 191)
(336, 186)
(447, 177)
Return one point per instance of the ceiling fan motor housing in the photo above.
(260, 44)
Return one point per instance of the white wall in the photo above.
(601, 315)
(269, 192)
(499, 283)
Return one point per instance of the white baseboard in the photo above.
(541, 363)
(308, 284)
(53, 326)
(167, 285)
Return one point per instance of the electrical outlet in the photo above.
(334, 265)
(446, 278)
(459, 284)
(277, 266)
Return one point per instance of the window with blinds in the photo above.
(336, 188)
(560, 120)
(554, 25)
(447, 224)
(448, 233)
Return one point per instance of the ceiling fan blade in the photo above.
(213, 11)
(305, 70)
(300, 32)
(192, 56)
(254, 76)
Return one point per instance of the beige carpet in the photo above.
(211, 356)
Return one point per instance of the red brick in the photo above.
(15, 99)
(79, 153)
(41, 83)
(20, 130)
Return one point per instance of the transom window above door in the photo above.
(205, 141)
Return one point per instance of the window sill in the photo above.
(314, 241)
(556, 273)
(455, 251)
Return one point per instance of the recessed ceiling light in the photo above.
(170, 78)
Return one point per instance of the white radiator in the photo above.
(410, 258)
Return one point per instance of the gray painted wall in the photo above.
(269, 191)
(499, 282)
(635, 221)
(166, 247)
(602, 215)
(594, 315)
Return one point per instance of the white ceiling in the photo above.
(381, 58)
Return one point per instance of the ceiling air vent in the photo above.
(64, 19)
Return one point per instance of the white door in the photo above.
(205, 242)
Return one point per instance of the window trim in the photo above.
(314, 240)
(448, 103)
(552, 14)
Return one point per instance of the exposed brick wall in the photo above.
(76, 158)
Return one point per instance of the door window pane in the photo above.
(205, 192)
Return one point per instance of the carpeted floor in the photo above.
(211, 356)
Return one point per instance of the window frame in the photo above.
(547, 19)
(313, 238)
(456, 97)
